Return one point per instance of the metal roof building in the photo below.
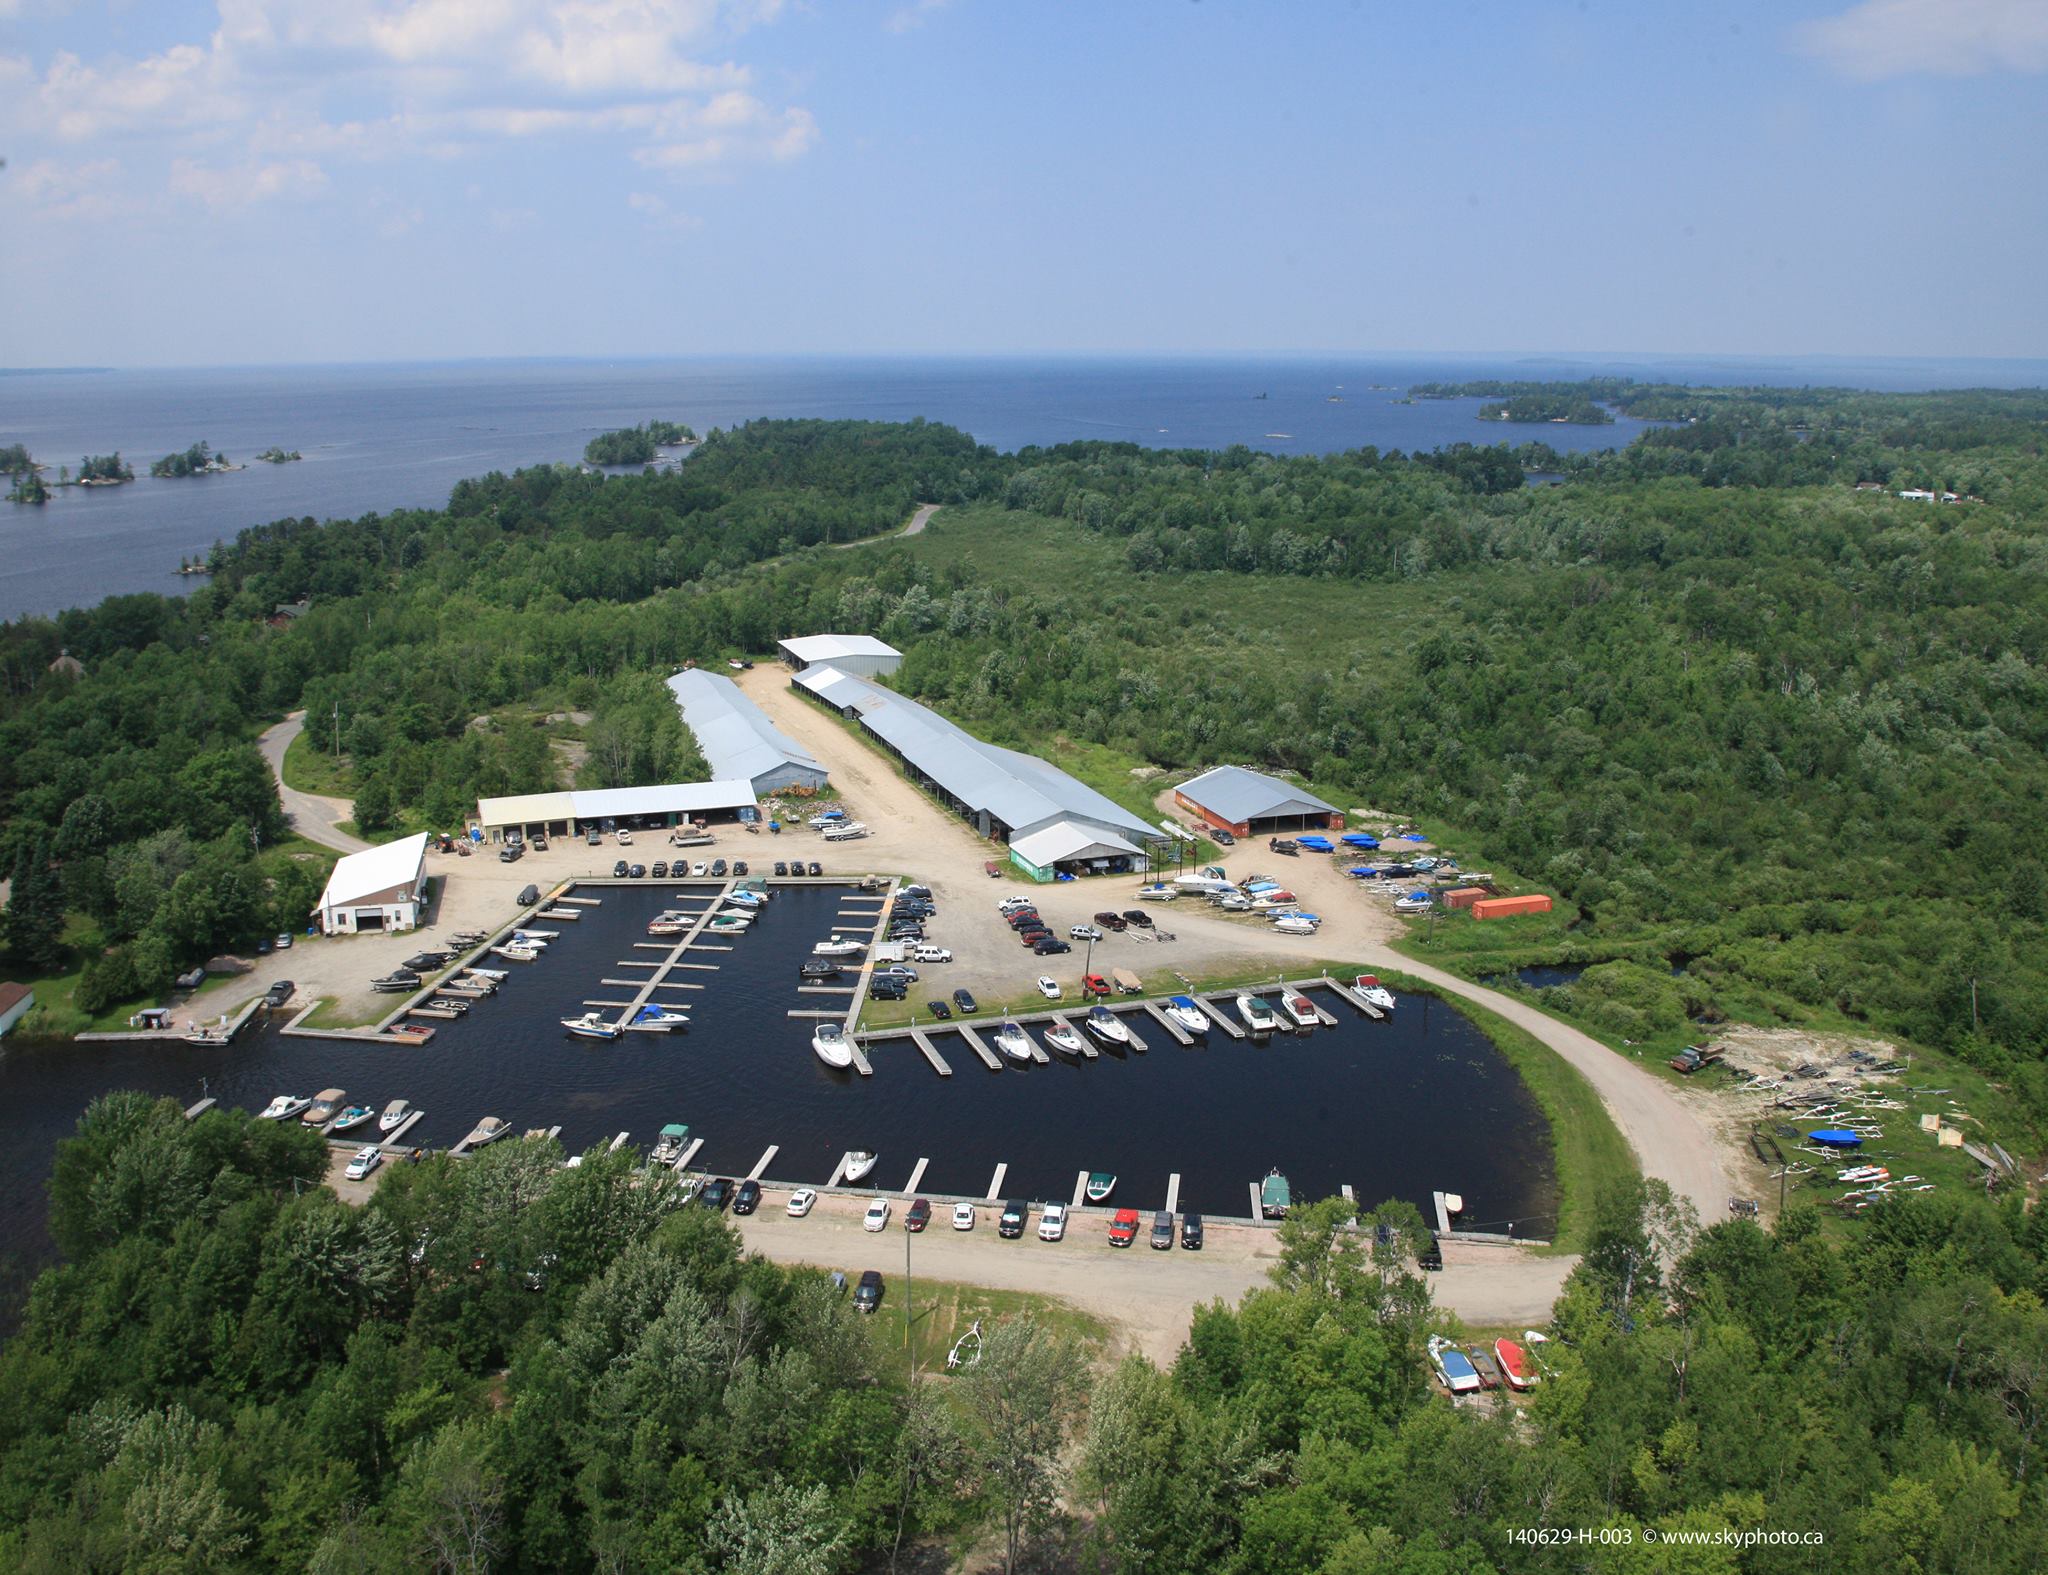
(860, 654)
(1250, 803)
(378, 889)
(563, 814)
(737, 739)
(1053, 823)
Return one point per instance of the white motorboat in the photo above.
(488, 1130)
(495, 975)
(1157, 892)
(283, 1108)
(1013, 1042)
(394, 1116)
(515, 953)
(656, 1019)
(1183, 1010)
(746, 899)
(1373, 993)
(832, 1045)
(1300, 1008)
(858, 1164)
(668, 1148)
(353, 1117)
(1295, 924)
(1104, 1025)
(536, 937)
(1063, 1038)
(667, 924)
(838, 946)
(1258, 1016)
(591, 1025)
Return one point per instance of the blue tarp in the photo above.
(1320, 844)
(1361, 839)
(1413, 836)
(1362, 871)
(1835, 1137)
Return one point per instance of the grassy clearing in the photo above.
(944, 1310)
(310, 770)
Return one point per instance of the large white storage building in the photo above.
(860, 654)
(737, 739)
(378, 889)
(1053, 823)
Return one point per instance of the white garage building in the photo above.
(378, 889)
(737, 740)
(860, 654)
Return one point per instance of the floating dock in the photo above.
(194, 1112)
(394, 1141)
(995, 1182)
(1235, 1030)
(761, 1164)
(1087, 1040)
(931, 1054)
(1351, 997)
(916, 1175)
(1158, 1014)
(974, 1040)
(1173, 1192)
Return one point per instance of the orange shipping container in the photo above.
(1464, 896)
(1508, 907)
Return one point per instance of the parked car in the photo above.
(594, 837)
(619, 870)
(1052, 1224)
(716, 1194)
(1113, 922)
(1014, 1217)
(964, 1003)
(932, 954)
(817, 868)
(366, 1160)
(1012, 904)
(637, 872)
(781, 868)
(697, 870)
(1191, 1232)
(1123, 1230)
(540, 844)
(1223, 836)
(963, 1216)
(1162, 1232)
(901, 971)
(867, 1296)
(1050, 946)
(1093, 985)
(658, 869)
(1048, 987)
(748, 1198)
(1139, 917)
(1033, 937)
(718, 868)
(1084, 932)
(939, 1009)
(511, 853)
(801, 1202)
(284, 941)
(877, 1216)
(1431, 1258)
(918, 1215)
(887, 989)
(739, 866)
(278, 993)
(625, 837)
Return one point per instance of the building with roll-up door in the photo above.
(382, 888)
(737, 739)
(1252, 804)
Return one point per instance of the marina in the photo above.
(1362, 1103)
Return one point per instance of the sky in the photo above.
(280, 181)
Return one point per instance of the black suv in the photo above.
(781, 867)
(1047, 945)
(1014, 1217)
(964, 1003)
(511, 853)
(748, 1198)
(938, 1009)
(867, 1296)
(1191, 1232)
(658, 869)
(715, 1194)
(888, 988)
(619, 870)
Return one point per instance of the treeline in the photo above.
(197, 460)
(636, 445)
(1578, 410)
(501, 1363)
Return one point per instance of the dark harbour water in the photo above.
(390, 437)
(1396, 1109)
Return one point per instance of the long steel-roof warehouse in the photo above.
(737, 739)
(1250, 803)
(1053, 823)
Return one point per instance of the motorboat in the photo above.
(1295, 924)
(1275, 1196)
(514, 953)
(654, 1018)
(592, 1025)
(833, 1047)
(1453, 1366)
(283, 1108)
(1369, 990)
(1158, 891)
(1100, 1184)
(1184, 1011)
(326, 1105)
(1412, 902)
(668, 1148)
(394, 1117)
(728, 923)
(495, 975)
(488, 1130)
(536, 937)
(1258, 1016)
(1106, 1026)
(1013, 1042)
(1515, 1365)
(858, 1164)
(1062, 1037)
(746, 897)
(667, 924)
(1301, 1009)
(1268, 903)
(396, 983)
(410, 1033)
(1860, 1173)
(838, 946)
(353, 1117)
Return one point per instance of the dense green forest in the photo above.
(279, 456)
(503, 1363)
(635, 445)
(1534, 407)
(105, 468)
(1731, 709)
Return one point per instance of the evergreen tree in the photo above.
(33, 923)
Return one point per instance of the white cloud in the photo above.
(908, 17)
(1890, 38)
(658, 214)
(242, 186)
(55, 190)
(730, 128)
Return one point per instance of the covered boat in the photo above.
(352, 1117)
(394, 1115)
(1013, 1042)
(325, 1107)
(1453, 1366)
(654, 1018)
(1275, 1196)
(1300, 1009)
(1104, 1025)
(1372, 992)
(1101, 1183)
(488, 1130)
(1835, 1137)
(668, 1148)
(1183, 1010)
(1258, 1016)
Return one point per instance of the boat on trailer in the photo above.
(1515, 1365)
(1453, 1366)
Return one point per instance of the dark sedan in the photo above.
(938, 1009)
(748, 1198)
(716, 1194)
(918, 1215)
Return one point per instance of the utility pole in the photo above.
(906, 1306)
(337, 732)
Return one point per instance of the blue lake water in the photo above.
(1396, 1109)
(387, 437)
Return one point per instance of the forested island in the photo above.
(20, 468)
(636, 445)
(1578, 411)
(1775, 738)
(198, 460)
(279, 456)
(100, 470)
